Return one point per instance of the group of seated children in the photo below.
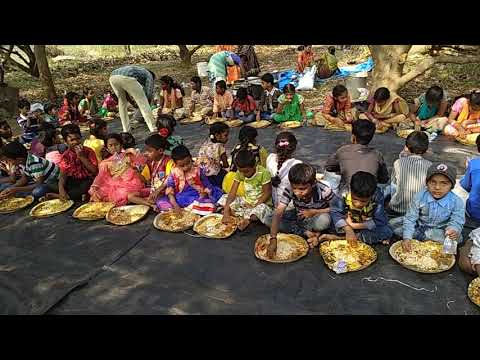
(326, 62)
(388, 110)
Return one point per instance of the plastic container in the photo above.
(340, 267)
(202, 68)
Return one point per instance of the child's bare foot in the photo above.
(243, 224)
(313, 241)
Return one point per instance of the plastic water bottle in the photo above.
(340, 266)
(449, 246)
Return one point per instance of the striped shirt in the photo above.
(408, 175)
(321, 196)
(142, 75)
(36, 167)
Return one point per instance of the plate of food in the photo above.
(291, 124)
(426, 257)
(290, 248)
(210, 121)
(93, 211)
(404, 133)
(128, 214)
(234, 123)
(196, 117)
(172, 221)
(211, 226)
(474, 291)
(334, 127)
(50, 208)
(260, 124)
(339, 253)
(468, 140)
(12, 204)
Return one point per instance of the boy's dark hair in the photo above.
(14, 150)
(246, 135)
(95, 127)
(23, 103)
(245, 159)
(301, 48)
(48, 107)
(166, 121)
(180, 152)
(434, 95)
(417, 142)
(70, 129)
(217, 128)
(115, 136)
(156, 141)
(4, 124)
(363, 184)
(381, 94)
(221, 84)
(47, 136)
(242, 93)
(302, 174)
(128, 140)
(197, 80)
(338, 90)
(268, 78)
(70, 95)
(289, 88)
(331, 50)
(475, 98)
(363, 130)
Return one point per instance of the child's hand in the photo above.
(307, 213)
(350, 236)
(78, 150)
(407, 245)
(63, 195)
(8, 192)
(177, 208)
(349, 219)
(227, 219)
(272, 248)
(452, 234)
(258, 117)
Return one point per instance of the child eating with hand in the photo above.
(360, 214)
(256, 204)
(311, 213)
(436, 212)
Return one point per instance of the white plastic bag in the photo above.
(307, 80)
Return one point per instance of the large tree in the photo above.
(186, 53)
(24, 58)
(44, 70)
(390, 61)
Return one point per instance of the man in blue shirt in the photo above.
(471, 183)
(134, 84)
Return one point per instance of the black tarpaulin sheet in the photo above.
(41, 260)
(139, 270)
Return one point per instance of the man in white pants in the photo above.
(134, 82)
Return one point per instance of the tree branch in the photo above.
(430, 61)
(195, 49)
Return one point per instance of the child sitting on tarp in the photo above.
(187, 184)
(337, 109)
(244, 106)
(471, 183)
(435, 212)
(360, 214)
(269, 99)
(290, 106)
(109, 105)
(222, 101)
(428, 112)
(464, 118)
(469, 259)
(386, 110)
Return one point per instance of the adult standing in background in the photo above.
(134, 84)
(250, 65)
(217, 65)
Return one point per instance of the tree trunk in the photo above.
(44, 71)
(389, 62)
(128, 50)
(186, 54)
